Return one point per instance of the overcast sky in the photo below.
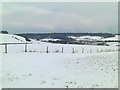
(60, 17)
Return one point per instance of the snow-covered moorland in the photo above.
(88, 67)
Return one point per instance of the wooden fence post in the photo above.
(83, 50)
(5, 48)
(73, 50)
(102, 50)
(90, 50)
(106, 50)
(97, 51)
(25, 47)
(47, 50)
(113, 50)
(62, 49)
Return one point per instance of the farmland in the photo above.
(89, 66)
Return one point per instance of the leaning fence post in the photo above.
(5, 48)
(62, 49)
(25, 47)
(47, 50)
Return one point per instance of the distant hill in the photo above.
(39, 36)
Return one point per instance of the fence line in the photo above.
(61, 51)
(6, 46)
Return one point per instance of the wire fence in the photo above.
(26, 48)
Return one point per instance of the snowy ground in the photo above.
(60, 70)
(0, 68)
(96, 67)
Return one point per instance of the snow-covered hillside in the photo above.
(98, 38)
(50, 39)
(8, 38)
(94, 38)
(96, 67)
(86, 37)
(117, 37)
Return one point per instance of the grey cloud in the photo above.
(60, 17)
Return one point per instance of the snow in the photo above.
(58, 70)
(86, 37)
(95, 38)
(50, 39)
(8, 38)
(37, 69)
(112, 38)
(0, 67)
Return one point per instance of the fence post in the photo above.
(102, 50)
(25, 47)
(113, 50)
(73, 50)
(106, 50)
(97, 51)
(47, 50)
(90, 50)
(62, 49)
(83, 50)
(118, 49)
(5, 48)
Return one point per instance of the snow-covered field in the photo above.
(95, 38)
(89, 67)
(0, 68)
